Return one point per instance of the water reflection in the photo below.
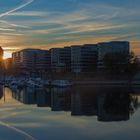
(107, 104)
(43, 98)
(1, 92)
(60, 99)
(114, 106)
(26, 96)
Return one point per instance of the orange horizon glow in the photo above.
(134, 46)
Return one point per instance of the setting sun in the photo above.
(6, 55)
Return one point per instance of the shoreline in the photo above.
(108, 83)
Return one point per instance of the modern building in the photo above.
(16, 59)
(84, 58)
(77, 59)
(111, 47)
(32, 61)
(43, 61)
(61, 59)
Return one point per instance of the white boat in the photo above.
(34, 84)
(30, 83)
(61, 83)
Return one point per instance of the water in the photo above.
(77, 113)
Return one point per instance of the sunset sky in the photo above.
(57, 23)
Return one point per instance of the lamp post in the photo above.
(2, 65)
(4, 88)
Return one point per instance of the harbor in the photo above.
(15, 83)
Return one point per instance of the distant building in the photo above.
(84, 58)
(111, 47)
(43, 61)
(16, 59)
(61, 59)
(32, 61)
(25, 60)
(80, 58)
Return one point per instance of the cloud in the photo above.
(58, 23)
(12, 34)
(126, 36)
(89, 28)
(9, 24)
(6, 29)
(27, 2)
(28, 13)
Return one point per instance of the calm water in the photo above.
(78, 113)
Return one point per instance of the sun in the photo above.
(7, 55)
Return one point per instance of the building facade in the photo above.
(61, 59)
(16, 59)
(43, 61)
(84, 58)
(32, 61)
(80, 58)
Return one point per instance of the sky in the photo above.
(57, 23)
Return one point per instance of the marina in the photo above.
(69, 70)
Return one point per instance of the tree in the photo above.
(118, 63)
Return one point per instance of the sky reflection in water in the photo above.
(77, 113)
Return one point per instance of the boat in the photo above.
(30, 84)
(61, 83)
(35, 84)
(13, 85)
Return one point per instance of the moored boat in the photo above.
(61, 83)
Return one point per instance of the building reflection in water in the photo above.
(108, 104)
(1, 92)
(43, 98)
(1, 95)
(84, 101)
(114, 106)
(26, 96)
(61, 99)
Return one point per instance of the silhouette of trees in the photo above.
(117, 63)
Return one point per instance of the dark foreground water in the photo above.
(78, 113)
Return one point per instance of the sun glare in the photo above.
(7, 55)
